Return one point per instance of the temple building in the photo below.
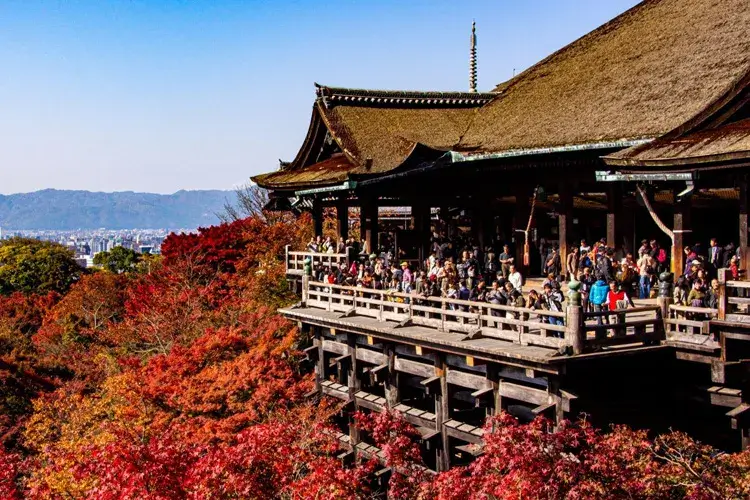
(643, 122)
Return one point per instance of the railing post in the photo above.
(722, 298)
(575, 334)
(305, 289)
(664, 300)
(443, 308)
(286, 257)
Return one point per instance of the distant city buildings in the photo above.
(86, 243)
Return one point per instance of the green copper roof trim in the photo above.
(346, 186)
(605, 176)
(459, 157)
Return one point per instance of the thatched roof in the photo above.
(659, 66)
(374, 131)
(726, 143)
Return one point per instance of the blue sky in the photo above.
(157, 95)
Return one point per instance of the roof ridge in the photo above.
(430, 98)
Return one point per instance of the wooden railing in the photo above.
(514, 324)
(295, 261)
(623, 326)
(688, 320)
(733, 299)
(480, 319)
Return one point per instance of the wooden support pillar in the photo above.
(555, 396)
(520, 221)
(681, 228)
(743, 228)
(391, 384)
(353, 384)
(421, 220)
(342, 218)
(370, 225)
(565, 222)
(317, 216)
(483, 216)
(320, 365)
(493, 376)
(442, 413)
(721, 302)
(614, 217)
(575, 334)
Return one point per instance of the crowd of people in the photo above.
(457, 268)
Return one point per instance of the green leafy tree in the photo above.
(33, 266)
(118, 260)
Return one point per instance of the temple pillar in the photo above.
(565, 222)
(520, 221)
(614, 216)
(483, 217)
(680, 227)
(370, 224)
(421, 222)
(742, 242)
(342, 218)
(317, 216)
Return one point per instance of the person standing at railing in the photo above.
(597, 299)
(554, 300)
(734, 269)
(495, 296)
(587, 281)
(646, 269)
(463, 293)
(515, 278)
(617, 301)
(407, 278)
(711, 299)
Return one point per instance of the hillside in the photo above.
(56, 209)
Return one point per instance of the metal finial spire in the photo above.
(473, 59)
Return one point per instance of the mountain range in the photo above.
(55, 209)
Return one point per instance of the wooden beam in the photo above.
(312, 353)
(370, 356)
(333, 346)
(432, 385)
(485, 398)
(468, 380)
(414, 367)
(379, 374)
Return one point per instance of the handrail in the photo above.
(472, 318)
(441, 300)
(316, 254)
